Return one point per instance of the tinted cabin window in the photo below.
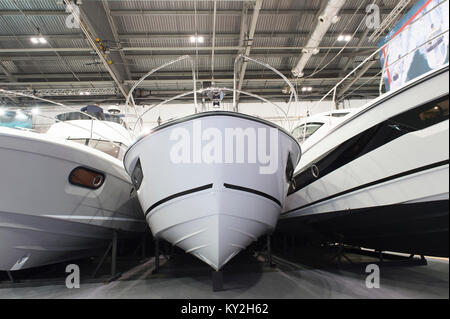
(106, 147)
(338, 114)
(109, 148)
(423, 116)
(435, 112)
(311, 128)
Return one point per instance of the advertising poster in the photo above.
(419, 43)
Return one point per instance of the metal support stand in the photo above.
(171, 251)
(144, 245)
(217, 280)
(11, 278)
(114, 254)
(423, 260)
(340, 253)
(156, 270)
(113, 248)
(380, 256)
(269, 251)
(285, 243)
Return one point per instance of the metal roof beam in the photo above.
(165, 74)
(206, 48)
(165, 81)
(89, 58)
(297, 12)
(94, 24)
(232, 12)
(115, 34)
(172, 36)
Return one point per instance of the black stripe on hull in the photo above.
(184, 193)
(379, 181)
(252, 191)
(419, 228)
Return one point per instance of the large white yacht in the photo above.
(380, 178)
(63, 193)
(213, 182)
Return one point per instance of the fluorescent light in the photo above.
(36, 40)
(197, 39)
(306, 89)
(344, 37)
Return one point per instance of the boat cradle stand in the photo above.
(384, 258)
(269, 251)
(112, 247)
(11, 278)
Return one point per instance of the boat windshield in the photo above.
(73, 116)
(311, 128)
(114, 150)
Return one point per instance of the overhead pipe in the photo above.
(213, 39)
(251, 35)
(327, 17)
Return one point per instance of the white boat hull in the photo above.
(212, 211)
(43, 217)
(382, 177)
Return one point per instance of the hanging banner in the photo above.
(419, 43)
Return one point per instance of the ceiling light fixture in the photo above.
(36, 40)
(197, 39)
(344, 38)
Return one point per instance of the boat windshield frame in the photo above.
(74, 116)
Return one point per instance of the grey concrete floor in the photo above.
(186, 278)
